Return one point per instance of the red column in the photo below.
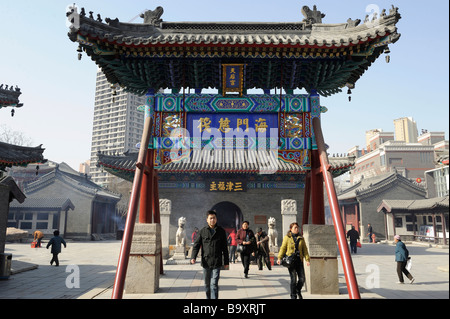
(155, 204)
(306, 201)
(156, 214)
(146, 202)
(317, 199)
(133, 206)
(347, 263)
(125, 248)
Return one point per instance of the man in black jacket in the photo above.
(213, 241)
(354, 237)
(262, 241)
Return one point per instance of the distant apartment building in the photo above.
(374, 138)
(396, 152)
(84, 168)
(411, 160)
(117, 125)
(438, 181)
(431, 138)
(405, 129)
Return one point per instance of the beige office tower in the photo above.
(117, 127)
(406, 130)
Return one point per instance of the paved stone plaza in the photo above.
(95, 263)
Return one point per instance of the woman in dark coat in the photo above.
(246, 237)
(262, 243)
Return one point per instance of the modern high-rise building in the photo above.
(406, 130)
(376, 137)
(117, 126)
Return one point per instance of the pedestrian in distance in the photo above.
(401, 257)
(194, 235)
(233, 244)
(369, 232)
(37, 237)
(56, 242)
(246, 238)
(262, 244)
(294, 245)
(354, 237)
(212, 239)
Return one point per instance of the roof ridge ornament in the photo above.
(312, 16)
(153, 17)
(353, 23)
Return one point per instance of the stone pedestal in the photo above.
(180, 253)
(322, 274)
(288, 214)
(165, 209)
(144, 263)
(274, 252)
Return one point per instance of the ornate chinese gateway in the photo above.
(245, 140)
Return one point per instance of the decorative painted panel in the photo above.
(211, 103)
(233, 122)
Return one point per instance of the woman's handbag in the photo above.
(240, 248)
(288, 261)
(358, 244)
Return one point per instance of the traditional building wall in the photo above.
(369, 203)
(79, 220)
(256, 205)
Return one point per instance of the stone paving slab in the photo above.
(94, 264)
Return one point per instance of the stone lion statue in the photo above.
(273, 234)
(181, 232)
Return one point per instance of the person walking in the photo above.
(354, 237)
(262, 244)
(294, 245)
(369, 232)
(212, 239)
(56, 242)
(401, 257)
(233, 245)
(37, 237)
(194, 235)
(246, 238)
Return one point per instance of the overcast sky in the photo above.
(58, 90)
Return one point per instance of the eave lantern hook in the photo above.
(79, 50)
(349, 91)
(387, 51)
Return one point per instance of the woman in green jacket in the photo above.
(294, 243)
(401, 257)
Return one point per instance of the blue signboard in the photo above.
(231, 124)
(232, 78)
